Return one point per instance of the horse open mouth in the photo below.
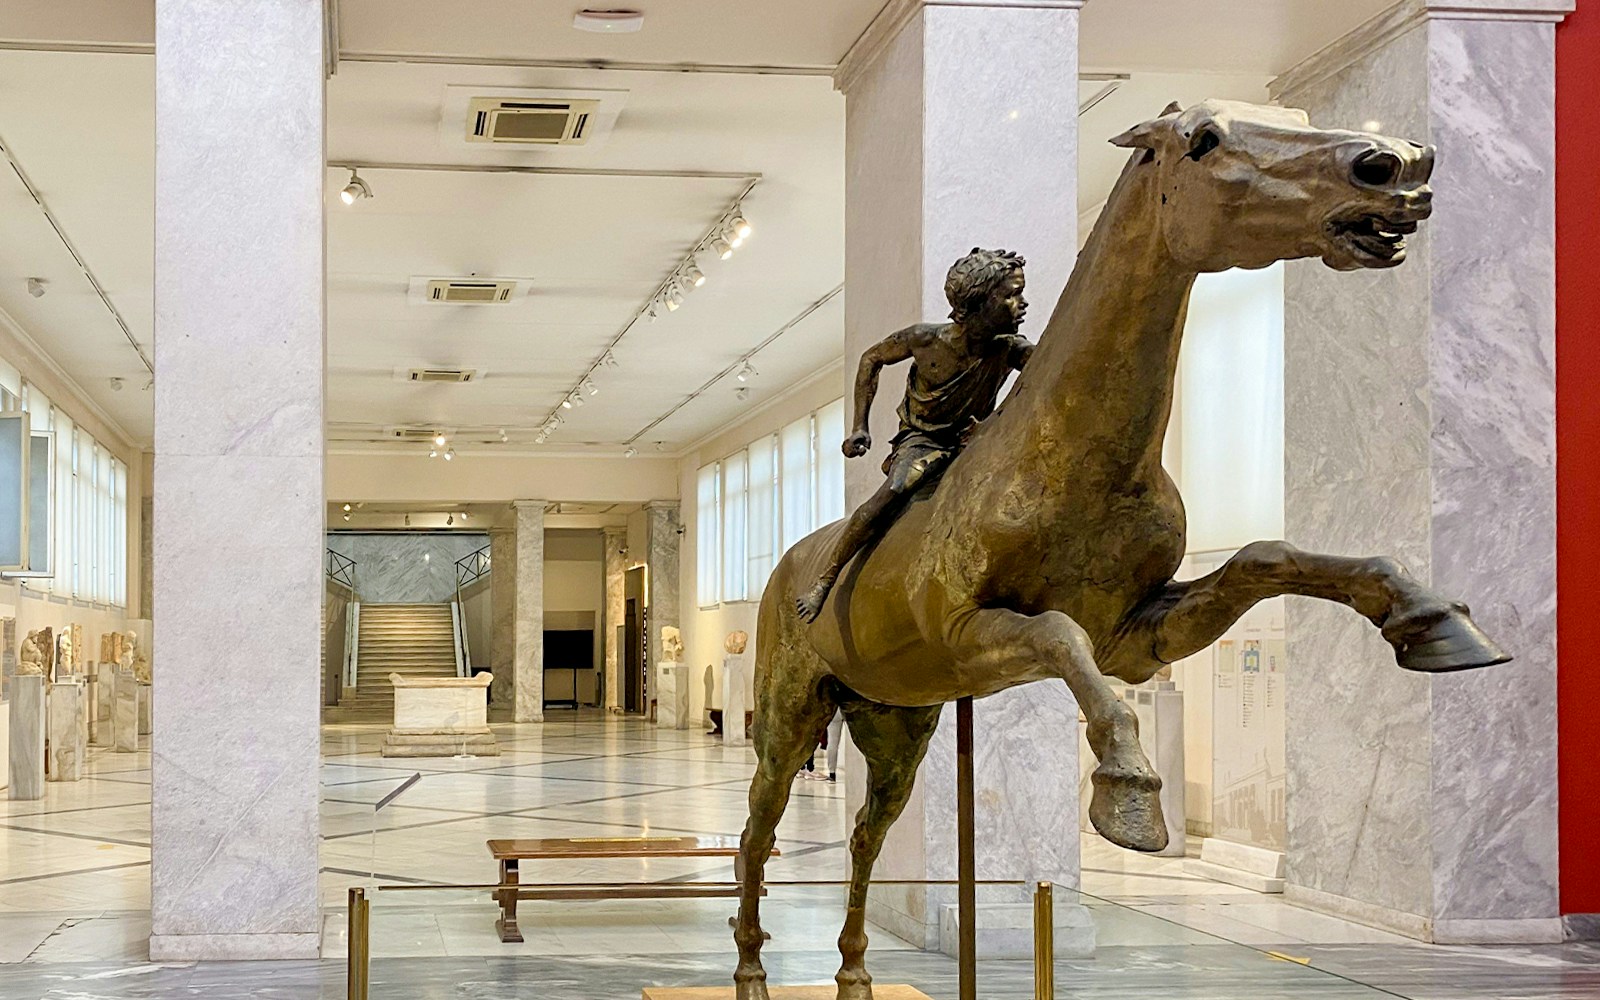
(1372, 240)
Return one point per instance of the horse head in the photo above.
(1243, 185)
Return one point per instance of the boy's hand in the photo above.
(857, 444)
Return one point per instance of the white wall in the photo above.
(484, 477)
(704, 629)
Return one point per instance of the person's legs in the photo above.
(835, 733)
(860, 529)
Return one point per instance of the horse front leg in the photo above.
(1429, 633)
(1126, 807)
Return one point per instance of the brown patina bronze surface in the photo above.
(1047, 550)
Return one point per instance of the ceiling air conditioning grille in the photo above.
(418, 434)
(529, 122)
(466, 292)
(443, 374)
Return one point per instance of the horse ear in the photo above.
(1144, 136)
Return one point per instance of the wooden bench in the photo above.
(510, 852)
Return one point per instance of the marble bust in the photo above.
(671, 643)
(736, 641)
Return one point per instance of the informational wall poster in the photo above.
(1248, 782)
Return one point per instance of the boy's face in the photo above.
(1004, 309)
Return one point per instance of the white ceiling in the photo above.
(81, 124)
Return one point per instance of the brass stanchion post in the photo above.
(358, 962)
(967, 860)
(1044, 943)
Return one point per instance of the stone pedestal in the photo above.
(105, 699)
(1005, 930)
(1159, 707)
(125, 713)
(1419, 422)
(960, 130)
(672, 695)
(146, 699)
(25, 747)
(67, 729)
(735, 694)
(440, 717)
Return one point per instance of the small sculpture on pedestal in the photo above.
(735, 688)
(66, 655)
(671, 643)
(30, 660)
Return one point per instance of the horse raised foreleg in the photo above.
(792, 710)
(1126, 807)
(894, 741)
(1429, 633)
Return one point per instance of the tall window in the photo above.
(90, 518)
(708, 535)
(762, 499)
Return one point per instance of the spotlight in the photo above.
(741, 394)
(355, 189)
(347, 517)
(653, 312)
(741, 226)
(674, 297)
(610, 360)
(449, 520)
(661, 446)
(449, 454)
(464, 515)
(632, 451)
(747, 373)
(438, 439)
(694, 276)
(566, 404)
(577, 400)
(539, 438)
(433, 452)
(589, 385)
(347, 508)
(504, 437)
(722, 248)
(408, 520)
(36, 287)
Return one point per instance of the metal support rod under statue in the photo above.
(966, 850)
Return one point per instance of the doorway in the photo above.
(635, 688)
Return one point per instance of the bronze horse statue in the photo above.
(1047, 549)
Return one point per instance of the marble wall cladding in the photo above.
(406, 568)
(1419, 422)
(528, 658)
(616, 570)
(921, 164)
(665, 538)
(25, 743)
(240, 178)
(503, 615)
(65, 729)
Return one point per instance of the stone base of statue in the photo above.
(1006, 930)
(102, 733)
(125, 712)
(441, 717)
(146, 694)
(25, 745)
(735, 692)
(880, 991)
(672, 694)
(66, 725)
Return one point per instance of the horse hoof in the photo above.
(1126, 808)
(855, 985)
(1452, 642)
(750, 987)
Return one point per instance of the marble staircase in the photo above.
(413, 640)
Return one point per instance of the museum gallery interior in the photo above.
(822, 500)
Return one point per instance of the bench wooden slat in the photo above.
(614, 847)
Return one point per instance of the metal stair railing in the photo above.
(469, 570)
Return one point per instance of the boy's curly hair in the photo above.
(973, 278)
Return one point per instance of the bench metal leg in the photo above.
(506, 924)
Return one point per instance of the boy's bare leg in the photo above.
(858, 531)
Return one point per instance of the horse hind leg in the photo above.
(793, 709)
(1429, 633)
(894, 741)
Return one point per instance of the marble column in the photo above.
(240, 183)
(65, 726)
(1420, 422)
(664, 536)
(528, 657)
(25, 744)
(616, 543)
(502, 615)
(961, 130)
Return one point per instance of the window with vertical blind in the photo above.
(90, 520)
(762, 499)
(708, 535)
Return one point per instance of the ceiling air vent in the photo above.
(468, 292)
(419, 435)
(552, 122)
(443, 374)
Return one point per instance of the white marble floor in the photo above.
(74, 876)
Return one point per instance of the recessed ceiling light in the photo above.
(608, 22)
